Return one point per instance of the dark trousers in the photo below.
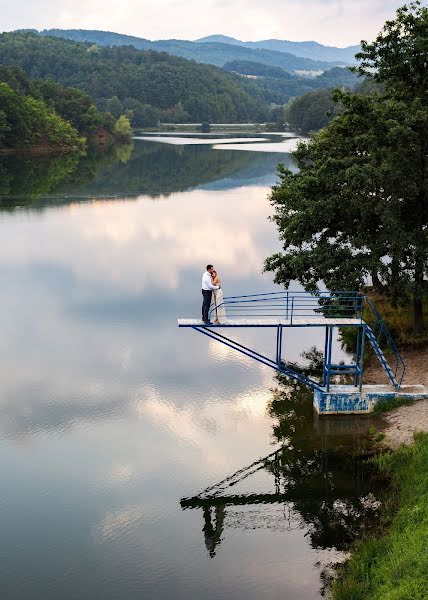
(207, 295)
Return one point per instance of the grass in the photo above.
(394, 565)
(377, 436)
(385, 405)
(400, 320)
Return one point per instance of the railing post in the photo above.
(278, 345)
(363, 343)
(330, 343)
(287, 306)
(292, 310)
(357, 357)
(324, 374)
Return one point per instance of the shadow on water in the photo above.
(321, 479)
(142, 168)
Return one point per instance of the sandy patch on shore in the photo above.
(416, 372)
(404, 421)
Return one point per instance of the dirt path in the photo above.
(403, 422)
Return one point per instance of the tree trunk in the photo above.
(418, 316)
(377, 284)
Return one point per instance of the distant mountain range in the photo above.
(305, 56)
(311, 50)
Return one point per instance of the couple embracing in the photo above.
(211, 286)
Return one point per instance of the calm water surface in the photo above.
(112, 420)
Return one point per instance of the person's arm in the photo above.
(209, 282)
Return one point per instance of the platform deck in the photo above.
(273, 322)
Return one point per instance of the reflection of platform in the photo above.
(273, 322)
(344, 399)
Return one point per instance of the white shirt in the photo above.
(207, 282)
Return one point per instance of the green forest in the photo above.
(155, 86)
(213, 53)
(43, 116)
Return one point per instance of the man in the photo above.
(207, 290)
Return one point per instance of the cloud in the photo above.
(337, 22)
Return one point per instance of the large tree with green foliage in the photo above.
(358, 206)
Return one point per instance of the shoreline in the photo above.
(403, 422)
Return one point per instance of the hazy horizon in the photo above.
(194, 39)
(337, 23)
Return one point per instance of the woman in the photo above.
(220, 312)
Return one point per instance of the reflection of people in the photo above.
(212, 534)
(220, 311)
(207, 289)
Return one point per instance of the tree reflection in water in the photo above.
(148, 168)
(322, 481)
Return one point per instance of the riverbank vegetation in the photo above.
(42, 117)
(28, 124)
(394, 565)
(357, 209)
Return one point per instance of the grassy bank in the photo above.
(394, 565)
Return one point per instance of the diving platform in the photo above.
(270, 322)
(329, 310)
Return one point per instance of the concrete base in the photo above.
(346, 399)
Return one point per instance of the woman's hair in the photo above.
(214, 274)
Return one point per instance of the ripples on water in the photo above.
(110, 415)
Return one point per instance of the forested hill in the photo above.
(42, 117)
(312, 50)
(211, 53)
(152, 84)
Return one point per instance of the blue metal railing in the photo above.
(293, 305)
(380, 338)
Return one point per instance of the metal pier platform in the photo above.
(329, 310)
(273, 322)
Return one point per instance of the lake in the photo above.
(114, 421)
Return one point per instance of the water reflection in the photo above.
(109, 414)
(145, 167)
(321, 479)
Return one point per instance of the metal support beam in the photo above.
(269, 362)
(324, 371)
(358, 357)
(363, 343)
(278, 345)
(329, 349)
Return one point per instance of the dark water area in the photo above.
(140, 460)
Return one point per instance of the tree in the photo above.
(123, 129)
(4, 126)
(310, 112)
(26, 122)
(358, 207)
(398, 59)
(114, 106)
(326, 212)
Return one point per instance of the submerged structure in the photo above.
(281, 311)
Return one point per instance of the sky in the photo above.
(332, 22)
